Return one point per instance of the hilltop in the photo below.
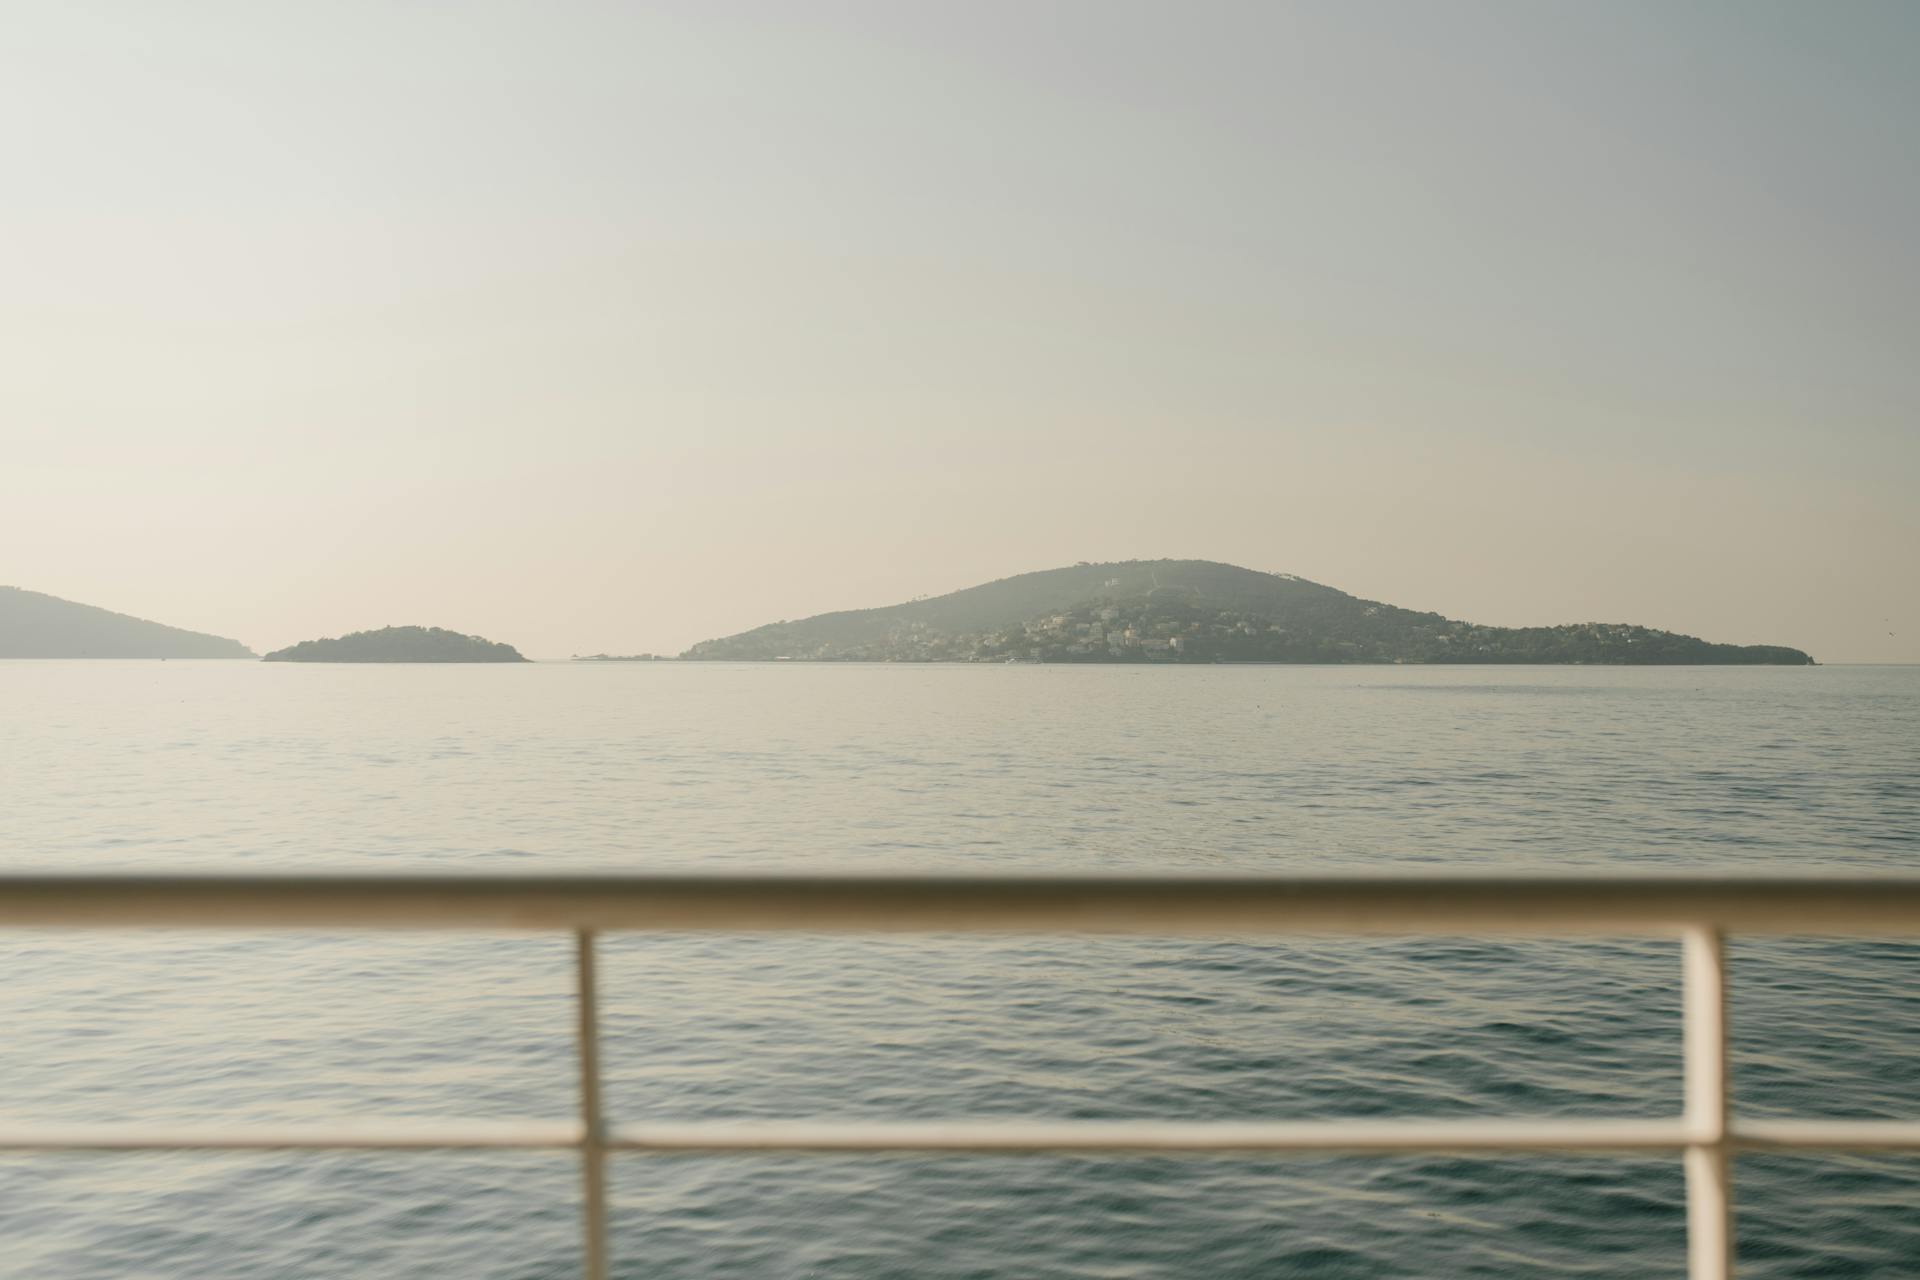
(33, 625)
(398, 644)
(1197, 611)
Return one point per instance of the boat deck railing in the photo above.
(1701, 912)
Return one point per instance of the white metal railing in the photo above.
(1701, 911)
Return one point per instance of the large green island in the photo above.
(1198, 611)
(398, 644)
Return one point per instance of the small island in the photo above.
(398, 644)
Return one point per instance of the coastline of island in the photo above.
(1199, 611)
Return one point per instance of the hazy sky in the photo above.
(614, 327)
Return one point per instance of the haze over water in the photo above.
(632, 767)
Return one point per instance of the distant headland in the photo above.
(1134, 611)
(398, 644)
(1186, 611)
(33, 625)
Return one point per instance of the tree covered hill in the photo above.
(398, 644)
(33, 625)
(1196, 611)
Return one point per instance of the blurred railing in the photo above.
(1702, 912)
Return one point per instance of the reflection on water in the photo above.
(623, 767)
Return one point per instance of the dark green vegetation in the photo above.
(399, 644)
(1196, 611)
(33, 625)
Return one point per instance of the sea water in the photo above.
(635, 767)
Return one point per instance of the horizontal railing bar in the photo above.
(1826, 1135)
(1164, 905)
(989, 1137)
(985, 1137)
(355, 1135)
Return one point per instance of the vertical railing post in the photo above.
(1709, 1172)
(593, 1150)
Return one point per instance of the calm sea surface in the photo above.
(167, 766)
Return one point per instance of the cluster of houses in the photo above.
(1112, 633)
(1104, 632)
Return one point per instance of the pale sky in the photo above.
(613, 327)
